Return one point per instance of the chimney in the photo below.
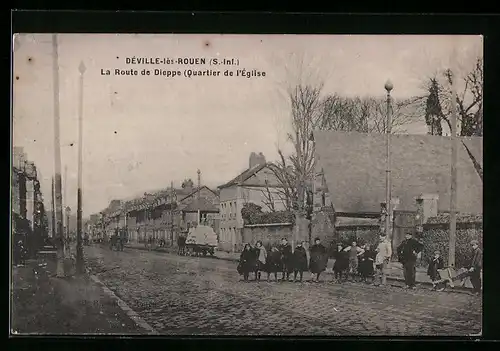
(256, 159)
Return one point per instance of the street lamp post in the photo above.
(79, 247)
(68, 214)
(388, 88)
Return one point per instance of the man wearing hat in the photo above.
(475, 267)
(407, 254)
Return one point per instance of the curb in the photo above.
(124, 307)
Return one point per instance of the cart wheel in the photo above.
(204, 253)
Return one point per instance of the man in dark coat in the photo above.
(407, 254)
(286, 259)
(299, 261)
(319, 259)
(475, 267)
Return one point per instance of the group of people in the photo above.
(437, 267)
(357, 263)
(282, 259)
(362, 262)
(351, 261)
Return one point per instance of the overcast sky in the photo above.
(141, 132)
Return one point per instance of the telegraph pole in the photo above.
(57, 161)
(80, 269)
(199, 188)
(454, 157)
(65, 192)
(388, 88)
(171, 213)
(53, 212)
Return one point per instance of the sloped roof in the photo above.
(158, 198)
(202, 204)
(243, 176)
(354, 165)
(189, 194)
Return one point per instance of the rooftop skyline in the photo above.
(142, 132)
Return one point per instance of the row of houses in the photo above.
(348, 192)
(29, 218)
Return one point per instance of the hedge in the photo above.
(253, 214)
(437, 238)
(368, 235)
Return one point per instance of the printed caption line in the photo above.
(125, 308)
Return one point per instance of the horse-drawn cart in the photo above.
(201, 241)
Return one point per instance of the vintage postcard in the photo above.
(264, 185)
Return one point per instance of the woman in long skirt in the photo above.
(319, 259)
(247, 262)
(273, 263)
(261, 257)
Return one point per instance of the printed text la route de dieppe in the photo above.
(182, 67)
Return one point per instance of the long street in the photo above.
(189, 295)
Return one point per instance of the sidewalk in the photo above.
(44, 304)
(394, 269)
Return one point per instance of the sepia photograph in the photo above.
(246, 185)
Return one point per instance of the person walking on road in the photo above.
(299, 261)
(261, 255)
(181, 244)
(407, 254)
(247, 262)
(286, 259)
(384, 253)
(354, 252)
(319, 259)
(475, 267)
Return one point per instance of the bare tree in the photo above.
(469, 100)
(286, 176)
(365, 115)
(469, 103)
(268, 197)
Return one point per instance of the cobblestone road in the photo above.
(187, 295)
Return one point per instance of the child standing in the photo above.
(435, 263)
(366, 261)
(341, 263)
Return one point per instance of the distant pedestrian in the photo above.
(319, 259)
(341, 263)
(261, 257)
(273, 263)
(476, 266)
(382, 259)
(247, 262)
(435, 264)
(181, 245)
(407, 254)
(299, 261)
(366, 262)
(286, 259)
(354, 252)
